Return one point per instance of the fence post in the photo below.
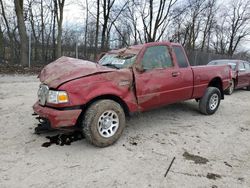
(76, 50)
(195, 58)
(29, 48)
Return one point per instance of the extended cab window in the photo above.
(247, 66)
(156, 57)
(181, 58)
(241, 66)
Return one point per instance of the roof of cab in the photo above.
(135, 49)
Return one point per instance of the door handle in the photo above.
(175, 74)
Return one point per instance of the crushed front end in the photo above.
(53, 117)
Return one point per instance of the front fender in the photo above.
(118, 83)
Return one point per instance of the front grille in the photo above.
(42, 93)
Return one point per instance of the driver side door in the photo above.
(156, 83)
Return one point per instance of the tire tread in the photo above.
(204, 100)
(88, 119)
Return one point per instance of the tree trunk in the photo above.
(42, 31)
(59, 16)
(107, 6)
(104, 27)
(22, 32)
(86, 29)
(10, 35)
(1, 46)
(35, 36)
(97, 28)
(54, 12)
(230, 48)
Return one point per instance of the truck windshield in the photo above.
(117, 61)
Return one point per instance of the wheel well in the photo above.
(216, 82)
(111, 97)
(235, 82)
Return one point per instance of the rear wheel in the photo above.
(103, 123)
(230, 90)
(210, 102)
(248, 88)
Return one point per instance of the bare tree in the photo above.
(134, 22)
(9, 32)
(22, 32)
(33, 19)
(155, 25)
(1, 45)
(197, 24)
(107, 6)
(86, 27)
(59, 6)
(180, 25)
(232, 27)
(209, 23)
(220, 42)
(239, 19)
(42, 30)
(196, 9)
(97, 27)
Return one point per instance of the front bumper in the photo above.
(57, 118)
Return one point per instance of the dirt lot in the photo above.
(210, 151)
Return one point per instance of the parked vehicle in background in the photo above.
(97, 96)
(240, 76)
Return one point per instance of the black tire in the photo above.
(248, 88)
(230, 90)
(92, 123)
(205, 106)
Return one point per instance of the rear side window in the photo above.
(241, 66)
(181, 58)
(247, 66)
(213, 63)
(156, 57)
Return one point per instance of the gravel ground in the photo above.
(209, 151)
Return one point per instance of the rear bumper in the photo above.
(57, 118)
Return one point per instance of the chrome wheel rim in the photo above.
(213, 102)
(231, 89)
(108, 123)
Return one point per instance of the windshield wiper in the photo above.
(110, 65)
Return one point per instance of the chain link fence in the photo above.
(202, 58)
(195, 57)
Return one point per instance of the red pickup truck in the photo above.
(97, 96)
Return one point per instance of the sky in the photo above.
(74, 14)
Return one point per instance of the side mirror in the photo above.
(139, 68)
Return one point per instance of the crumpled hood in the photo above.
(65, 69)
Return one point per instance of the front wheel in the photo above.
(103, 123)
(210, 102)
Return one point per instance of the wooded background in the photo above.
(208, 29)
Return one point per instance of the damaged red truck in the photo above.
(96, 97)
